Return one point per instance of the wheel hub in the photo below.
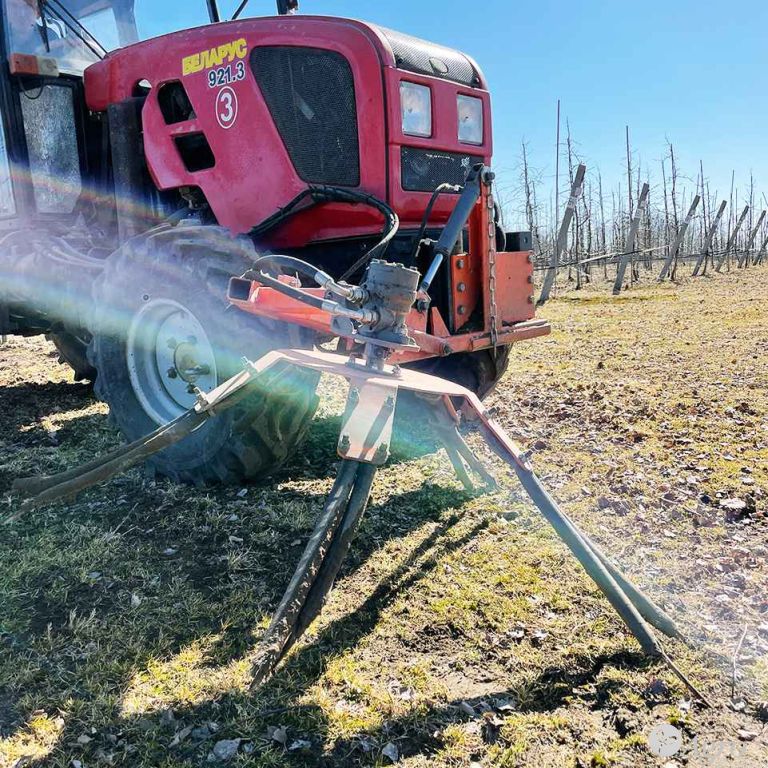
(168, 355)
(185, 362)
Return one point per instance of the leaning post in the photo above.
(629, 246)
(704, 255)
(744, 260)
(732, 239)
(679, 239)
(562, 235)
(760, 255)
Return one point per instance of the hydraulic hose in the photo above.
(365, 316)
(323, 279)
(428, 212)
(328, 194)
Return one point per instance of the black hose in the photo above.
(289, 262)
(288, 290)
(428, 212)
(328, 194)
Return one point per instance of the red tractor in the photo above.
(141, 180)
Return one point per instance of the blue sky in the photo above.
(691, 71)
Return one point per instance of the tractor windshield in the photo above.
(79, 32)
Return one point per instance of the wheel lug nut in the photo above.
(172, 373)
(172, 343)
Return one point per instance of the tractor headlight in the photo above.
(470, 119)
(416, 109)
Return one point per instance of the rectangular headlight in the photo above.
(470, 119)
(416, 109)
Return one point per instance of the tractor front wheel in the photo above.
(162, 328)
(478, 371)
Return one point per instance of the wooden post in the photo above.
(562, 235)
(629, 246)
(732, 239)
(708, 241)
(761, 253)
(744, 260)
(679, 239)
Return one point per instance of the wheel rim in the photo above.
(168, 355)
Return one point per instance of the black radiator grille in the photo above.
(422, 170)
(310, 94)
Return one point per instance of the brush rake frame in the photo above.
(363, 447)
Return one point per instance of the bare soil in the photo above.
(461, 633)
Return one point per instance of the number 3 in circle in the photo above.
(226, 107)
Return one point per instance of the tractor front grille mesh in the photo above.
(310, 94)
(422, 170)
(416, 55)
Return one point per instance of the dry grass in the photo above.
(461, 630)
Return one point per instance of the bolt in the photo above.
(530, 279)
(530, 258)
(354, 396)
(191, 389)
(198, 370)
(459, 263)
(446, 350)
(344, 444)
(145, 297)
(461, 287)
(389, 404)
(172, 343)
(530, 299)
(382, 453)
(461, 309)
(172, 373)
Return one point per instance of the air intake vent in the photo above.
(415, 55)
(310, 94)
(422, 170)
(174, 103)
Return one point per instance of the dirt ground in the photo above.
(461, 632)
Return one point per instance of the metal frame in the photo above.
(497, 311)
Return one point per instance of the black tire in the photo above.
(73, 351)
(189, 266)
(477, 371)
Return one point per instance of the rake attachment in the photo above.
(373, 319)
(363, 445)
